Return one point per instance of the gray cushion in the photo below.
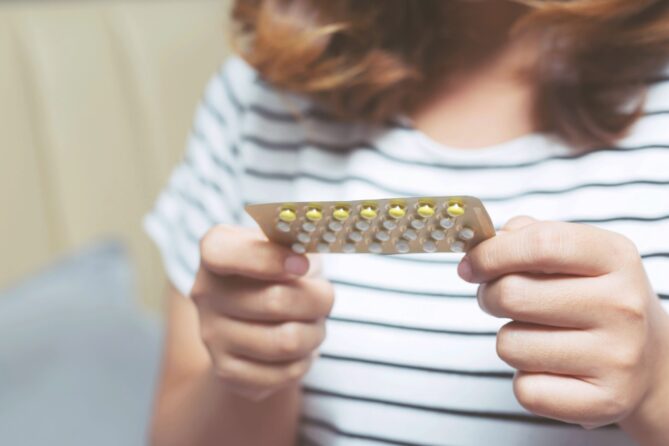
(78, 358)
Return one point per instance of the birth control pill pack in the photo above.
(384, 226)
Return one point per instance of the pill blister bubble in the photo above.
(417, 224)
(362, 225)
(323, 248)
(304, 237)
(287, 215)
(382, 236)
(330, 237)
(314, 214)
(402, 246)
(335, 226)
(341, 213)
(369, 212)
(455, 209)
(282, 226)
(458, 246)
(375, 248)
(429, 246)
(426, 210)
(410, 235)
(446, 223)
(438, 235)
(308, 227)
(355, 236)
(390, 225)
(348, 248)
(466, 234)
(299, 248)
(397, 211)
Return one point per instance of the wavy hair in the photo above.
(366, 59)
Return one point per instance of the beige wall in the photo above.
(96, 100)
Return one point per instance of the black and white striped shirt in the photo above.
(410, 358)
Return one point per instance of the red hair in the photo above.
(365, 59)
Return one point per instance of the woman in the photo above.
(552, 109)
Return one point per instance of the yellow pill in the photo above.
(426, 210)
(341, 214)
(287, 215)
(397, 211)
(314, 214)
(455, 210)
(368, 213)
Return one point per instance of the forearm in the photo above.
(201, 412)
(649, 424)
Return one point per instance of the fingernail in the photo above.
(465, 270)
(296, 265)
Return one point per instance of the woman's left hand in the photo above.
(588, 336)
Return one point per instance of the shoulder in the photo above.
(264, 115)
(652, 127)
(658, 94)
(657, 98)
(238, 102)
(242, 87)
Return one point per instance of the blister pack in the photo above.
(384, 226)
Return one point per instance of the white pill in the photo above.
(389, 225)
(429, 246)
(303, 237)
(417, 224)
(335, 226)
(348, 248)
(309, 227)
(410, 235)
(282, 226)
(375, 248)
(466, 234)
(446, 223)
(355, 236)
(438, 235)
(382, 236)
(458, 246)
(330, 237)
(362, 225)
(402, 247)
(299, 248)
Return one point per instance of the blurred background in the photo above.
(96, 101)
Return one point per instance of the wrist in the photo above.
(648, 422)
(273, 420)
(238, 394)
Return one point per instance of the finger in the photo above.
(518, 223)
(546, 299)
(549, 248)
(275, 343)
(536, 348)
(258, 380)
(228, 250)
(563, 398)
(315, 265)
(242, 298)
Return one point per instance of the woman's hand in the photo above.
(588, 336)
(262, 313)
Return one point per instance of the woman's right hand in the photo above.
(262, 311)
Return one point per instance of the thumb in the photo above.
(315, 265)
(518, 223)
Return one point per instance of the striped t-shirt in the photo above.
(409, 357)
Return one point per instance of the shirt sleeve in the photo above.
(203, 190)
